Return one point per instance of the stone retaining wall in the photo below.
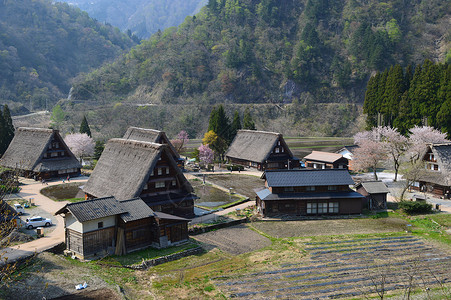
(199, 230)
(161, 260)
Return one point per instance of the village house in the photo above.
(375, 193)
(348, 152)
(128, 169)
(437, 176)
(97, 227)
(308, 192)
(261, 150)
(325, 160)
(153, 136)
(40, 153)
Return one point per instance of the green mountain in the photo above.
(274, 51)
(44, 44)
(141, 17)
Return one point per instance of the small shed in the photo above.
(375, 193)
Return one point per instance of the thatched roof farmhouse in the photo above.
(262, 150)
(130, 168)
(40, 152)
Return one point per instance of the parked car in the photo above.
(37, 221)
(19, 208)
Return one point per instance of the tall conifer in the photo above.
(84, 127)
(248, 123)
(236, 124)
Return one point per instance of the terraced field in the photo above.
(349, 268)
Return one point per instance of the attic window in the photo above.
(174, 183)
(152, 173)
(100, 225)
(277, 150)
(167, 170)
(309, 188)
(278, 143)
(160, 184)
(160, 171)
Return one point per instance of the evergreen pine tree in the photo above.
(213, 121)
(84, 127)
(248, 123)
(3, 146)
(370, 103)
(394, 89)
(9, 127)
(236, 125)
(98, 149)
(219, 123)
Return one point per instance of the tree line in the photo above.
(6, 129)
(402, 98)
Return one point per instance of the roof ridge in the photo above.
(144, 129)
(137, 143)
(36, 129)
(91, 200)
(260, 131)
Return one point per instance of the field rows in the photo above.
(346, 268)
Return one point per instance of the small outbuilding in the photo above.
(348, 153)
(40, 153)
(375, 193)
(325, 160)
(308, 192)
(261, 150)
(102, 226)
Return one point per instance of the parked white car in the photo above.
(37, 222)
(19, 208)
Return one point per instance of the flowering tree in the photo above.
(368, 155)
(420, 136)
(80, 144)
(206, 155)
(181, 140)
(395, 145)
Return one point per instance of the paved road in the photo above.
(31, 190)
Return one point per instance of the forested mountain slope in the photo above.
(43, 45)
(141, 17)
(273, 51)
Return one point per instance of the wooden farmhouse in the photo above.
(437, 176)
(307, 192)
(153, 136)
(348, 152)
(97, 227)
(128, 169)
(325, 160)
(40, 153)
(375, 193)
(261, 150)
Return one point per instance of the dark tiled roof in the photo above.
(136, 209)
(256, 146)
(323, 177)
(374, 187)
(267, 195)
(93, 209)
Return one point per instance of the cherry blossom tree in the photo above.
(369, 155)
(181, 140)
(80, 144)
(206, 155)
(420, 137)
(395, 145)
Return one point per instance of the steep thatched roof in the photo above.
(442, 153)
(124, 168)
(322, 156)
(151, 136)
(256, 146)
(28, 147)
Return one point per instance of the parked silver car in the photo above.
(37, 222)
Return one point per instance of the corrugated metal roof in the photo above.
(136, 209)
(293, 178)
(94, 209)
(375, 187)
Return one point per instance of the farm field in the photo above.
(241, 184)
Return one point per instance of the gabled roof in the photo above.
(124, 168)
(149, 135)
(136, 209)
(256, 146)
(266, 195)
(321, 156)
(307, 177)
(442, 153)
(93, 209)
(28, 147)
(374, 187)
(350, 148)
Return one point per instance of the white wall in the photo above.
(72, 223)
(93, 224)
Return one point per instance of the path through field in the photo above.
(348, 268)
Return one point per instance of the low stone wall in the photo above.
(161, 260)
(200, 230)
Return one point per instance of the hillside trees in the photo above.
(403, 99)
(6, 129)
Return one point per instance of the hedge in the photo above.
(415, 207)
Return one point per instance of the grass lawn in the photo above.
(63, 191)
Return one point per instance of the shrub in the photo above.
(9, 189)
(235, 167)
(414, 207)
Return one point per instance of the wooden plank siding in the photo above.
(90, 244)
